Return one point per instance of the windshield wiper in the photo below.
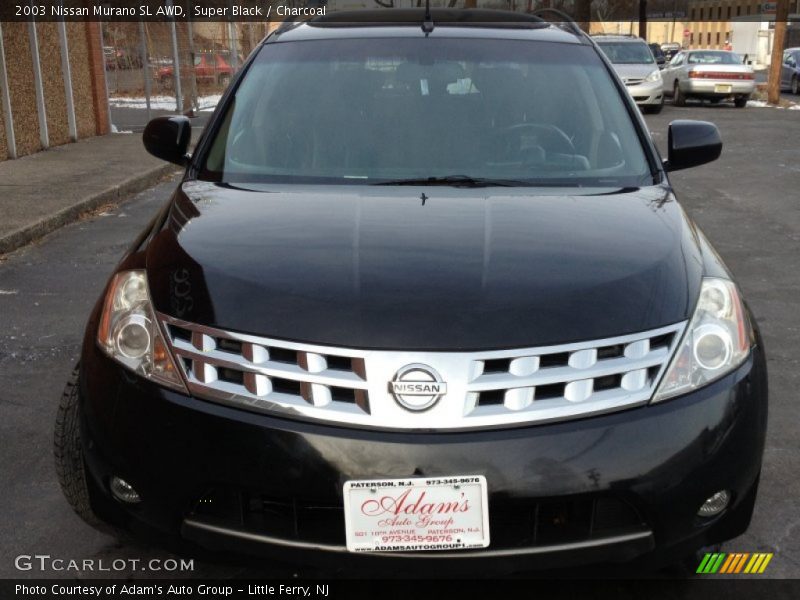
(455, 181)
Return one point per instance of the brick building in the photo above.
(52, 86)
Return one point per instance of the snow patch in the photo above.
(162, 102)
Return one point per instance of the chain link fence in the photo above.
(166, 68)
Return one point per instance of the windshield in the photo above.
(627, 53)
(714, 58)
(377, 110)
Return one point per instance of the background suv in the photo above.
(790, 70)
(637, 67)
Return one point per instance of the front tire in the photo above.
(678, 99)
(75, 482)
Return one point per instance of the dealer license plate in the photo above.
(722, 88)
(416, 514)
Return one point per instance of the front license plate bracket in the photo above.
(417, 514)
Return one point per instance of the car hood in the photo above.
(424, 268)
(635, 71)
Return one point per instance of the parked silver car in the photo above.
(635, 64)
(790, 70)
(714, 75)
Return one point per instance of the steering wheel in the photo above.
(544, 136)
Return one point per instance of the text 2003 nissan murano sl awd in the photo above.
(423, 294)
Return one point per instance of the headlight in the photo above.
(654, 76)
(129, 333)
(716, 341)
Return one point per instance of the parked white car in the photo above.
(713, 75)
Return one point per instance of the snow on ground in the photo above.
(161, 102)
(762, 104)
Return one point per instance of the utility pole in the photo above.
(583, 14)
(643, 19)
(774, 82)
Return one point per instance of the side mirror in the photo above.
(168, 138)
(692, 143)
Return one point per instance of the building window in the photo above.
(729, 12)
(691, 38)
(748, 9)
(718, 37)
(708, 39)
(738, 11)
(719, 13)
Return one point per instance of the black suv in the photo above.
(423, 293)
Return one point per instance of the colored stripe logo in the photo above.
(735, 562)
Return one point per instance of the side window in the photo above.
(677, 60)
(790, 60)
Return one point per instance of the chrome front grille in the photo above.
(633, 80)
(484, 389)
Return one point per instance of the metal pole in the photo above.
(232, 43)
(105, 77)
(44, 138)
(145, 67)
(8, 117)
(176, 67)
(66, 73)
(192, 74)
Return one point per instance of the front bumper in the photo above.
(647, 93)
(660, 461)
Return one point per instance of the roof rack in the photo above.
(565, 22)
(415, 16)
(295, 20)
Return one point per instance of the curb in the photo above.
(114, 194)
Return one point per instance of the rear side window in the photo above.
(714, 58)
(371, 110)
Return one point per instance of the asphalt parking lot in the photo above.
(747, 204)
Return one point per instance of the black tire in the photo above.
(678, 99)
(75, 483)
(741, 102)
(795, 85)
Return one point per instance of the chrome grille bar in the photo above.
(484, 389)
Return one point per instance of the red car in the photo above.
(208, 68)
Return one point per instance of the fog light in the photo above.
(715, 504)
(124, 492)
